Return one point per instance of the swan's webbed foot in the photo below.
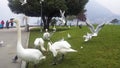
(15, 59)
(61, 58)
(54, 61)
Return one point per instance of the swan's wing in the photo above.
(33, 51)
(61, 44)
(62, 18)
(65, 44)
(23, 2)
(91, 27)
(61, 12)
(99, 27)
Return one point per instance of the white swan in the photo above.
(60, 47)
(23, 2)
(87, 37)
(68, 35)
(46, 35)
(54, 29)
(81, 47)
(95, 31)
(29, 54)
(39, 42)
(62, 19)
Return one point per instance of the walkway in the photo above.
(8, 49)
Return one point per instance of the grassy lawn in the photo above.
(102, 51)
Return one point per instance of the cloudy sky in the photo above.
(112, 5)
(5, 12)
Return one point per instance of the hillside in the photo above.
(98, 13)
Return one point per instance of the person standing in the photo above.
(2, 23)
(7, 24)
(11, 22)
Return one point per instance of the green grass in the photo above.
(102, 51)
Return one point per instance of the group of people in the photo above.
(7, 24)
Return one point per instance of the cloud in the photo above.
(112, 5)
(5, 12)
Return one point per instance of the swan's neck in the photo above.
(19, 33)
(49, 45)
(19, 43)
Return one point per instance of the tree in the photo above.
(50, 8)
(114, 21)
(75, 6)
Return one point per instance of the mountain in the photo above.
(97, 13)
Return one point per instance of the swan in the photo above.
(68, 35)
(87, 37)
(39, 42)
(62, 19)
(54, 29)
(29, 54)
(59, 47)
(81, 47)
(23, 2)
(47, 35)
(95, 31)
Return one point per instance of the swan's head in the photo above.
(15, 20)
(46, 30)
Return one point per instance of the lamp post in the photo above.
(41, 13)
